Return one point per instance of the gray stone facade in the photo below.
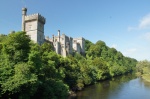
(65, 45)
(33, 25)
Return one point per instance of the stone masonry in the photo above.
(33, 25)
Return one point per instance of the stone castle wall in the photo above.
(33, 25)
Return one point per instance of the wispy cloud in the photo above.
(146, 36)
(114, 46)
(132, 28)
(139, 53)
(140, 50)
(144, 23)
(130, 51)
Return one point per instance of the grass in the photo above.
(146, 77)
(138, 74)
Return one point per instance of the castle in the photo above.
(33, 25)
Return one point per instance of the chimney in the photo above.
(59, 35)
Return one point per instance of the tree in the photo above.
(16, 47)
(29, 70)
(87, 45)
(23, 84)
(143, 66)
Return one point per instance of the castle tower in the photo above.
(53, 38)
(58, 35)
(33, 25)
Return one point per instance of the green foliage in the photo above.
(116, 63)
(28, 70)
(143, 67)
(2, 39)
(87, 44)
(100, 63)
(16, 46)
(23, 81)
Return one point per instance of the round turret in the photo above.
(24, 11)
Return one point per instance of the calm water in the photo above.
(124, 87)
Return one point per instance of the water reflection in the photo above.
(124, 87)
(146, 84)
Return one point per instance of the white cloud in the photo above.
(132, 28)
(114, 46)
(147, 36)
(130, 51)
(144, 23)
(140, 53)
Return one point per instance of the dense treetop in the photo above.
(143, 69)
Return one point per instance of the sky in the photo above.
(122, 24)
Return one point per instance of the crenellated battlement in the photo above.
(36, 16)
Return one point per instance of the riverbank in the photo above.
(124, 78)
(146, 77)
(121, 87)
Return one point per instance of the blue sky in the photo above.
(123, 24)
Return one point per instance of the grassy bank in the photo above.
(143, 70)
(146, 77)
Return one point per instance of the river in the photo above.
(123, 87)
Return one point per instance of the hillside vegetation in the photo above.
(30, 71)
(143, 69)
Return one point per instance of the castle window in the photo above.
(30, 26)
